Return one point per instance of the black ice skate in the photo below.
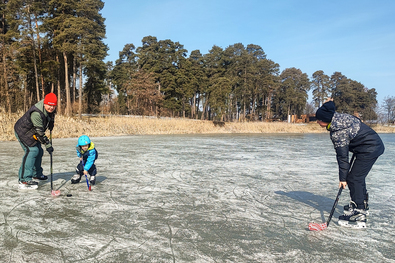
(356, 219)
(41, 177)
(76, 179)
(348, 209)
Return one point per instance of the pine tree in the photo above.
(292, 94)
(197, 80)
(321, 87)
(91, 31)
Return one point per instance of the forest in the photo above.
(57, 46)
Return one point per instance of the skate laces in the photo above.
(352, 206)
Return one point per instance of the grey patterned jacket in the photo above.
(350, 134)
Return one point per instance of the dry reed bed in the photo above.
(66, 127)
(113, 126)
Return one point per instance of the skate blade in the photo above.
(22, 187)
(356, 225)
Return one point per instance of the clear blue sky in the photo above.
(354, 37)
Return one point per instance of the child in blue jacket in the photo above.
(88, 154)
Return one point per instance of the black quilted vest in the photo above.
(25, 129)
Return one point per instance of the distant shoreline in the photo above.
(67, 127)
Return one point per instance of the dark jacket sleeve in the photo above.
(342, 161)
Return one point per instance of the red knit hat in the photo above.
(51, 99)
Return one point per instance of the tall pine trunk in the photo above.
(74, 77)
(80, 94)
(66, 77)
(25, 108)
(193, 106)
(59, 107)
(6, 87)
(40, 56)
(269, 105)
(34, 57)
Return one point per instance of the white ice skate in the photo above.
(76, 179)
(30, 185)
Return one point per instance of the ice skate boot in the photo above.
(356, 219)
(348, 209)
(76, 179)
(41, 177)
(92, 180)
(31, 185)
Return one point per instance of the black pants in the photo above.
(356, 180)
(80, 170)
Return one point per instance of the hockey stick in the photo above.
(53, 192)
(86, 177)
(322, 226)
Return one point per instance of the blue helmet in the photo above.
(83, 140)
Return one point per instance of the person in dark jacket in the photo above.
(349, 134)
(30, 132)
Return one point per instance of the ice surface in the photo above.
(194, 198)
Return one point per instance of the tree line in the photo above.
(52, 46)
(57, 46)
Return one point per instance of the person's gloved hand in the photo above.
(50, 150)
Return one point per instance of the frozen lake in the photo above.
(194, 198)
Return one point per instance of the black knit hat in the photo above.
(325, 112)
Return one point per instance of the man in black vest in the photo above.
(30, 132)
